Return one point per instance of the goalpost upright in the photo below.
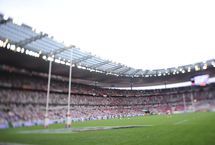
(46, 122)
(68, 115)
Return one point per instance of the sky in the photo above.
(142, 34)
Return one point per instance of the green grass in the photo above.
(182, 129)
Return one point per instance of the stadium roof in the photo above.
(24, 36)
(23, 39)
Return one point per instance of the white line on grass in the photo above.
(180, 122)
(1, 143)
(75, 130)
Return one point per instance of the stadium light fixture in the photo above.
(189, 69)
(197, 68)
(5, 17)
(57, 60)
(50, 58)
(5, 43)
(213, 63)
(44, 57)
(68, 63)
(1, 43)
(17, 22)
(82, 67)
(31, 53)
(12, 47)
(205, 66)
(18, 49)
(8, 46)
(22, 50)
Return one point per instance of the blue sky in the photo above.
(142, 34)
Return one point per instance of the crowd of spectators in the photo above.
(23, 100)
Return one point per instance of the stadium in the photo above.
(57, 94)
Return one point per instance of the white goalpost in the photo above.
(46, 121)
(68, 114)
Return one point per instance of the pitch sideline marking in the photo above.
(180, 122)
(7, 143)
(76, 130)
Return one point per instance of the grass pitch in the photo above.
(181, 129)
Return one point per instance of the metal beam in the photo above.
(125, 70)
(151, 72)
(114, 68)
(99, 64)
(136, 71)
(4, 22)
(29, 40)
(84, 58)
(57, 51)
(146, 72)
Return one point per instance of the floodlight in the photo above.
(1, 43)
(189, 69)
(57, 60)
(18, 49)
(5, 43)
(22, 50)
(213, 63)
(12, 47)
(197, 68)
(50, 58)
(5, 17)
(8, 45)
(44, 57)
(68, 63)
(205, 66)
